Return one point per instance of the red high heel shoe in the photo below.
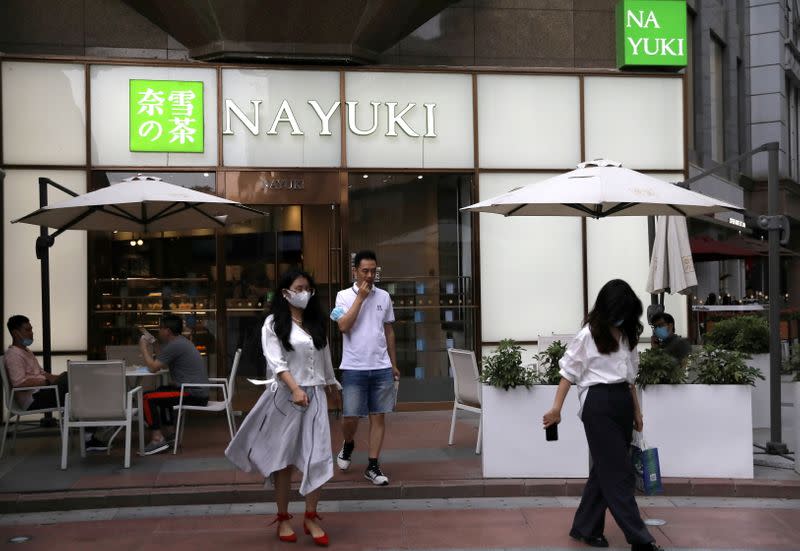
(282, 517)
(322, 540)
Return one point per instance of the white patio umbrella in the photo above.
(671, 264)
(141, 204)
(598, 189)
(138, 204)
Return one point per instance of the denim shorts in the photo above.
(366, 392)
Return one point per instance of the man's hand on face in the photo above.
(364, 289)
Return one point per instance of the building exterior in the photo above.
(477, 98)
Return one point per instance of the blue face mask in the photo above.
(661, 333)
(27, 342)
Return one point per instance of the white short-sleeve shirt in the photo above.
(584, 366)
(365, 344)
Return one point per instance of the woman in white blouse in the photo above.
(602, 362)
(288, 427)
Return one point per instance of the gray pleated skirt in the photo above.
(277, 434)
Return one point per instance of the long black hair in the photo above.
(313, 319)
(616, 302)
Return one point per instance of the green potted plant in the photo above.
(656, 367)
(750, 336)
(549, 371)
(718, 366)
(514, 399)
(504, 369)
(705, 429)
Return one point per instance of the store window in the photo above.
(424, 248)
(135, 278)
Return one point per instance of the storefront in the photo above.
(339, 160)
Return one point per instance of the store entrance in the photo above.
(258, 252)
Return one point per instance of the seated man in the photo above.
(185, 365)
(24, 371)
(664, 337)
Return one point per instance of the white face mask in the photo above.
(298, 300)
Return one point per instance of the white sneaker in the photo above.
(343, 461)
(375, 476)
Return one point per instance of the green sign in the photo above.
(166, 116)
(651, 33)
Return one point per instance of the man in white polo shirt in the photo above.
(369, 362)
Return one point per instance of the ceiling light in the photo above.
(205, 174)
(133, 243)
(365, 176)
(140, 242)
(419, 177)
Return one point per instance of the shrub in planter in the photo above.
(717, 366)
(513, 401)
(746, 334)
(504, 369)
(656, 367)
(549, 371)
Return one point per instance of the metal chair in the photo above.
(98, 397)
(467, 389)
(15, 412)
(228, 388)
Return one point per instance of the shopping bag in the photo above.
(646, 466)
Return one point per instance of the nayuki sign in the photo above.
(166, 116)
(651, 33)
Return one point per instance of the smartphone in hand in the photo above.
(551, 433)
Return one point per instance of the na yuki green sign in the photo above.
(166, 116)
(651, 33)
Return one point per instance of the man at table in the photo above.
(185, 365)
(24, 371)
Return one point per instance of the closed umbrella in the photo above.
(671, 265)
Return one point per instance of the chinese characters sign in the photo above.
(166, 116)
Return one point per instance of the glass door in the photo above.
(258, 252)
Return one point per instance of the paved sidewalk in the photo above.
(514, 523)
(416, 457)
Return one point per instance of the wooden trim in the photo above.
(584, 223)
(526, 170)
(342, 121)
(220, 155)
(44, 167)
(523, 343)
(470, 69)
(356, 170)
(475, 219)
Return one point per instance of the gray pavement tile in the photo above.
(418, 455)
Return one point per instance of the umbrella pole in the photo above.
(43, 244)
(775, 445)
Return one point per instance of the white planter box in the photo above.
(700, 430)
(514, 444)
(761, 392)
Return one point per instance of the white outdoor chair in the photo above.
(228, 388)
(98, 397)
(467, 389)
(15, 412)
